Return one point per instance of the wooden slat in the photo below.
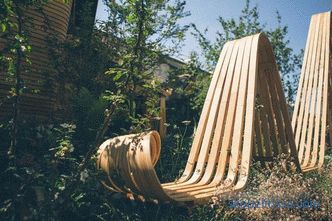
(313, 96)
(327, 75)
(301, 97)
(239, 117)
(267, 103)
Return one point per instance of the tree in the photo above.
(143, 31)
(248, 24)
(138, 34)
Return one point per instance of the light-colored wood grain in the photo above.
(245, 114)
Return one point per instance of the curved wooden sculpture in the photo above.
(245, 114)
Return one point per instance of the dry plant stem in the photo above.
(100, 135)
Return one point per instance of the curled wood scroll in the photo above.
(245, 114)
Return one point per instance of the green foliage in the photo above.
(142, 30)
(116, 63)
(54, 184)
(48, 184)
(88, 115)
(288, 62)
(15, 50)
(11, 60)
(64, 145)
(190, 85)
(14, 56)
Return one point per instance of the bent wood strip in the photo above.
(245, 113)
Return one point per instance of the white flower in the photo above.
(186, 122)
(84, 175)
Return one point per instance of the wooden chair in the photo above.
(245, 114)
